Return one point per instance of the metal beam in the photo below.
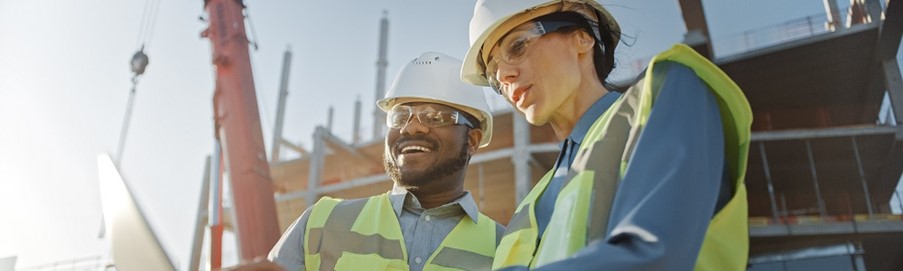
(771, 197)
(280, 106)
(509, 152)
(356, 130)
(697, 35)
(894, 82)
(544, 147)
(215, 221)
(822, 211)
(822, 133)
(805, 253)
(332, 188)
(294, 147)
(338, 143)
(851, 227)
(316, 165)
(479, 158)
(481, 197)
(381, 63)
(858, 260)
(865, 187)
(200, 222)
(890, 31)
(873, 8)
(833, 13)
(329, 118)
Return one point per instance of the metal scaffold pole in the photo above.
(774, 204)
(821, 202)
(865, 186)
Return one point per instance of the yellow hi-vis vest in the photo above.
(364, 234)
(583, 206)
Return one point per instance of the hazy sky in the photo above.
(64, 81)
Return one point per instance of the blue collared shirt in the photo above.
(673, 184)
(569, 147)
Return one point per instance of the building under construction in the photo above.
(824, 161)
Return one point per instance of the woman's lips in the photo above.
(519, 95)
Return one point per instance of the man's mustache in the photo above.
(433, 143)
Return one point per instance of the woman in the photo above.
(647, 179)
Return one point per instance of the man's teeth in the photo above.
(410, 149)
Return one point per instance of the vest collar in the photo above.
(591, 115)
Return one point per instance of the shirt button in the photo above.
(417, 260)
(427, 219)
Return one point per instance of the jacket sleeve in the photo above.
(289, 250)
(668, 194)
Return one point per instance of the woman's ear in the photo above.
(584, 41)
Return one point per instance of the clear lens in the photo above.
(512, 49)
(398, 117)
(401, 115)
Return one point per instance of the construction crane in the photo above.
(238, 131)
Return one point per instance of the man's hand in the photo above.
(259, 264)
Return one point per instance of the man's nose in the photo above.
(413, 126)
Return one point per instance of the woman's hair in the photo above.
(606, 38)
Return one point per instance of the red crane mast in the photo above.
(237, 127)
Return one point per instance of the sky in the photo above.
(64, 84)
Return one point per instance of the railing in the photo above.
(775, 34)
(749, 40)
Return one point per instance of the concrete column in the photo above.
(316, 165)
(521, 157)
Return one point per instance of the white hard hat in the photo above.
(494, 18)
(433, 77)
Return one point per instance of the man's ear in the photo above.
(473, 139)
(584, 41)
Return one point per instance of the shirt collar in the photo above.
(591, 115)
(401, 197)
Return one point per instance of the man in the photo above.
(427, 221)
(651, 179)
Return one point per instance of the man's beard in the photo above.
(416, 179)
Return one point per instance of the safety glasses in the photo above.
(512, 48)
(400, 115)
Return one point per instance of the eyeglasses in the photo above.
(512, 48)
(400, 115)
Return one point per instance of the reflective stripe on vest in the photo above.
(582, 207)
(364, 234)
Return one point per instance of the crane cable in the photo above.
(138, 65)
(147, 24)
